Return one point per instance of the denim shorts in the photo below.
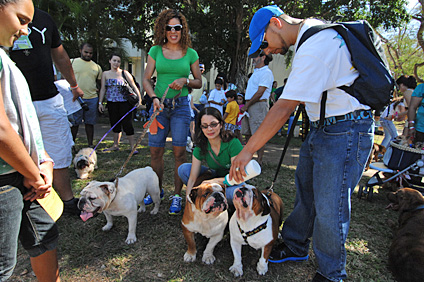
(21, 219)
(175, 117)
(90, 116)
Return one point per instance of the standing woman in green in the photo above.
(173, 59)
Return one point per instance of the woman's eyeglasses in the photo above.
(175, 27)
(212, 125)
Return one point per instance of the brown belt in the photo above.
(262, 100)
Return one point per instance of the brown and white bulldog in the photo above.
(406, 254)
(206, 213)
(256, 223)
(121, 198)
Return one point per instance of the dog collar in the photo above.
(252, 232)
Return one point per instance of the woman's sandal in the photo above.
(111, 149)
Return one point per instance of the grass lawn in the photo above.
(86, 253)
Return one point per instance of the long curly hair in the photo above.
(160, 28)
(200, 139)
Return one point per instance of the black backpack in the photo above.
(374, 85)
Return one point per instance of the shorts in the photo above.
(230, 127)
(90, 116)
(176, 119)
(56, 130)
(257, 113)
(21, 219)
(116, 111)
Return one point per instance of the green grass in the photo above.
(86, 253)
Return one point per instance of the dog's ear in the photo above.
(107, 189)
(193, 195)
(265, 204)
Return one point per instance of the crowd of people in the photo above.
(36, 139)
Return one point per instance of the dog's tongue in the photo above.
(86, 215)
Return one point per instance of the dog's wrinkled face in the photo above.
(82, 162)
(96, 196)
(405, 199)
(249, 201)
(209, 198)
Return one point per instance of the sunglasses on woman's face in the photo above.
(175, 27)
(212, 125)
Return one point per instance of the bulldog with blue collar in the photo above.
(255, 223)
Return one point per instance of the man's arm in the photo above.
(63, 63)
(274, 120)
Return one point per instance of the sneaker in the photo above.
(282, 253)
(175, 207)
(148, 200)
(71, 207)
(319, 278)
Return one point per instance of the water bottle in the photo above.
(252, 169)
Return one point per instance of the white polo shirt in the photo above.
(260, 77)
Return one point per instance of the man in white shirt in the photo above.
(257, 94)
(333, 155)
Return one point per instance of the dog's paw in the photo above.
(131, 239)
(208, 258)
(107, 227)
(189, 258)
(237, 270)
(155, 210)
(142, 208)
(262, 267)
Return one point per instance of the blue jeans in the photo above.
(27, 220)
(331, 162)
(176, 119)
(184, 173)
(390, 131)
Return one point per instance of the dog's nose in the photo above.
(81, 203)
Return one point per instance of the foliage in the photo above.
(403, 51)
(219, 28)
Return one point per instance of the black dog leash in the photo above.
(286, 145)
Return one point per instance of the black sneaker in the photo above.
(319, 278)
(71, 207)
(282, 253)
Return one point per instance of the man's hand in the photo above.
(237, 171)
(77, 92)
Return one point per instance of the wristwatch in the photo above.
(188, 81)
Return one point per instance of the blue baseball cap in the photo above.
(257, 26)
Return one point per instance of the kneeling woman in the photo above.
(215, 145)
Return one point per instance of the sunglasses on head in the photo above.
(212, 125)
(175, 27)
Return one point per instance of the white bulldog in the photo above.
(85, 161)
(255, 223)
(121, 198)
(205, 213)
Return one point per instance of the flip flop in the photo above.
(135, 152)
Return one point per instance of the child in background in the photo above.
(189, 146)
(240, 102)
(217, 96)
(232, 110)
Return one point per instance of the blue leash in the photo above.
(104, 136)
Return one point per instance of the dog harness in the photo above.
(252, 232)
